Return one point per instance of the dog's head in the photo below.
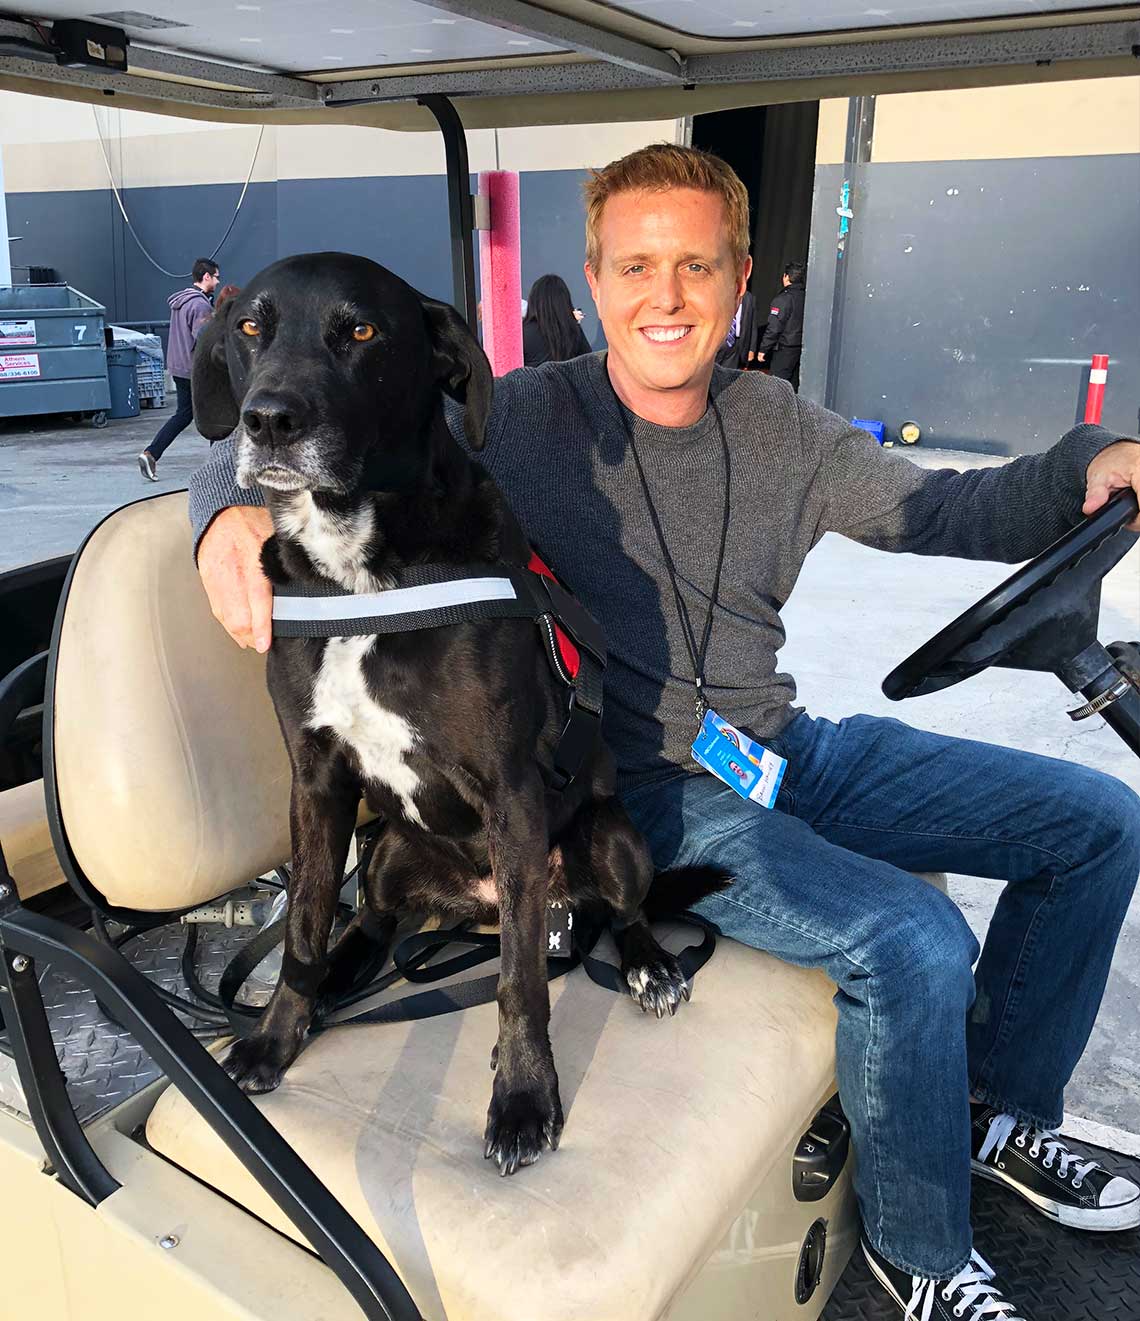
(330, 367)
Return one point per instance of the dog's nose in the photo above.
(274, 417)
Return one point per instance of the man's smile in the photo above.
(665, 334)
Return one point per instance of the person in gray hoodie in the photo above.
(190, 309)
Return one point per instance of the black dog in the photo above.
(333, 368)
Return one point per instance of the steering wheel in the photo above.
(1048, 594)
(1044, 617)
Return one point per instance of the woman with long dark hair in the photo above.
(551, 332)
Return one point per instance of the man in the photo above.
(190, 309)
(936, 1066)
(738, 348)
(782, 341)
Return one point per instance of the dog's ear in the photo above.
(215, 408)
(460, 367)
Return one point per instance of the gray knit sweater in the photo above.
(557, 448)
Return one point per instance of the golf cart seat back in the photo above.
(171, 781)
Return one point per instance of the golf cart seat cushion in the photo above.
(670, 1127)
(172, 775)
(26, 840)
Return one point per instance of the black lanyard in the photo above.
(697, 653)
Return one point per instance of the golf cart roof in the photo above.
(509, 63)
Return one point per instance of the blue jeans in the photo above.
(824, 880)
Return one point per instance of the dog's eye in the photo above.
(363, 332)
(249, 327)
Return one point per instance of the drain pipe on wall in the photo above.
(856, 155)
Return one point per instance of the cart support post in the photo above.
(459, 206)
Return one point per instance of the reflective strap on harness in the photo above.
(434, 596)
(427, 596)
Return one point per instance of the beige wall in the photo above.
(1098, 117)
(55, 145)
(832, 135)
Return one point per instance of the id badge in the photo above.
(747, 767)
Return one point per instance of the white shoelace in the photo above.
(1002, 1127)
(973, 1286)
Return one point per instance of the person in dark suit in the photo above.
(551, 332)
(739, 347)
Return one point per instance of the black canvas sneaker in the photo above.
(972, 1295)
(1040, 1166)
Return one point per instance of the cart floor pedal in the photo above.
(1048, 1272)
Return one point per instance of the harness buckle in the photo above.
(575, 743)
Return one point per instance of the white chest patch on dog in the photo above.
(380, 738)
(336, 543)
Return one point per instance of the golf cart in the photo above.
(705, 1169)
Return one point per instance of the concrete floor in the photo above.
(55, 483)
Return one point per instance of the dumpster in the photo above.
(52, 358)
(123, 379)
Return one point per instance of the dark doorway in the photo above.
(772, 148)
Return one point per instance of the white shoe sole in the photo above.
(878, 1274)
(1100, 1219)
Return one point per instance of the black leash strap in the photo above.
(692, 958)
(410, 961)
(238, 971)
(416, 949)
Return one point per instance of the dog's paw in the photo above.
(520, 1124)
(257, 1064)
(658, 985)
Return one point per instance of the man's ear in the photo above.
(460, 367)
(215, 408)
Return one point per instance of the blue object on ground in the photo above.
(875, 428)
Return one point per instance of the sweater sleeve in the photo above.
(214, 487)
(496, 435)
(1008, 514)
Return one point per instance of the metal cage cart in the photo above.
(151, 366)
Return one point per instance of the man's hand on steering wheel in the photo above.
(229, 562)
(1115, 468)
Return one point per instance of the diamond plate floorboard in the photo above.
(1050, 1273)
(103, 1064)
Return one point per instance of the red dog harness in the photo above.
(433, 596)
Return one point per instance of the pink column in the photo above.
(500, 271)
